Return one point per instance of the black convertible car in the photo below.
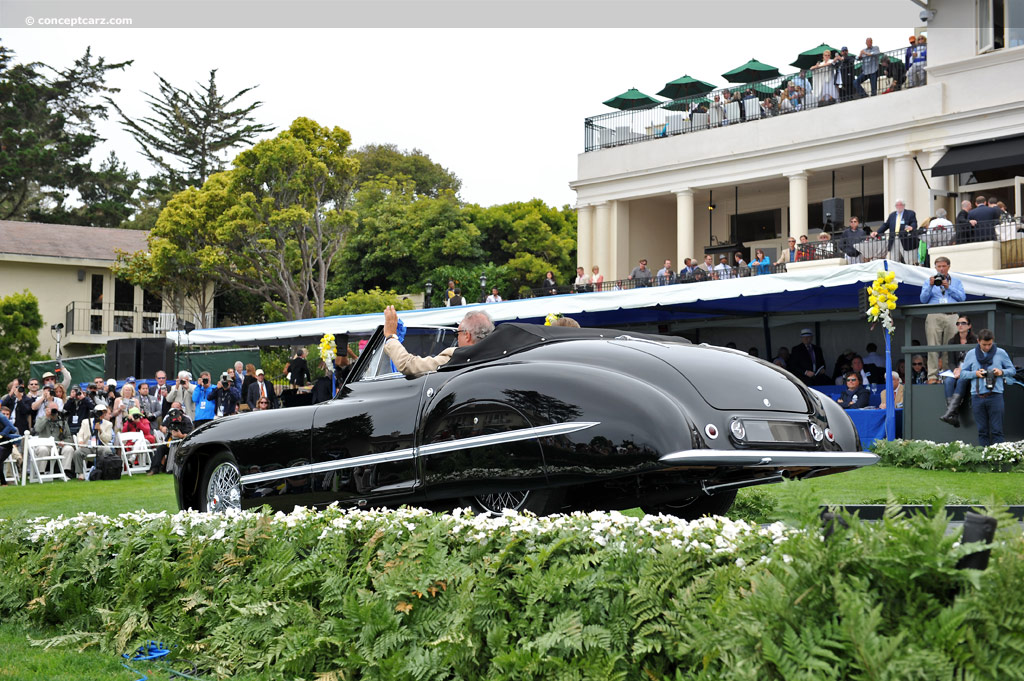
(533, 418)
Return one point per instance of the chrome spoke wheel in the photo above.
(496, 503)
(224, 489)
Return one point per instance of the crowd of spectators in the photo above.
(87, 420)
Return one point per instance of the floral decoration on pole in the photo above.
(328, 349)
(882, 298)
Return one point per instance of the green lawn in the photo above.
(863, 486)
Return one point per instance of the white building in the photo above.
(657, 194)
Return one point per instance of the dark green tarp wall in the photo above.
(84, 369)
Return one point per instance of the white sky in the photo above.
(502, 108)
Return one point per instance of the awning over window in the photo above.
(1008, 151)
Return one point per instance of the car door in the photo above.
(364, 443)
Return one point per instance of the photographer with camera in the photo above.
(175, 426)
(136, 422)
(990, 369)
(942, 289)
(52, 425)
(20, 410)
(225, 397)
(202, 395)
(94, 438)
(181, 393)
(77, 409)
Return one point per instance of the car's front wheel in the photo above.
(221, 489)
(539, 502)
(696, 507)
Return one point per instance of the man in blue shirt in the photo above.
(939, 328)
(203, 399)
(989, 369)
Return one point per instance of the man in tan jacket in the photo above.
(94, 438)
(475, 326)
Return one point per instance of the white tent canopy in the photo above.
(804, 291)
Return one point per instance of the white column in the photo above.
(797, 204)
(903, 183)
(684, 226)
(603, 238)
(585, 237)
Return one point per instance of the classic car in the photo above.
(537, 418)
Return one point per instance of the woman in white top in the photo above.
(597, 278)
(122, 404)
(824, 84)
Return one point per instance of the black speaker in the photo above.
(832, 211)
(127, 358)
(155, 354)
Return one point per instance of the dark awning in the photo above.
(998, 153)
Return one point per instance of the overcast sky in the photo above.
(502, 108)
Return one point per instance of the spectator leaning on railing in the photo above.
(640, 274)
(868, 68)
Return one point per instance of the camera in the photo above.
(21, 389)
(990, 378)
(206, 380)
(939, 278)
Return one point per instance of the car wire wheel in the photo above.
(496, 503)
(223, 489)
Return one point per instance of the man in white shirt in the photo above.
(494, 297)
(722, 269)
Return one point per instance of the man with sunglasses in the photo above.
(473, 328)
(942, 289)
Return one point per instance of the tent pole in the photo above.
(767, 338)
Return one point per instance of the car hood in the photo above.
(731, 380)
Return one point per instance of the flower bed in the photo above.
(412, 595)
(951, 456)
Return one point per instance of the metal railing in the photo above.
(696, 276)
(109, 318)
(737, 104)
(1009, 232)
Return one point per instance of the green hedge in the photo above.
(411, 595)
(951, 456)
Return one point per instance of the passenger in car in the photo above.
(473, 328)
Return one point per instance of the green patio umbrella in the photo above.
(685, 87)
(632, 99)
(807, 59)
(751, 71)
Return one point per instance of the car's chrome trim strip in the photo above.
(507, 436)
(768, 458)
(409, 453)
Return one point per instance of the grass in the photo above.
(871, 485)
(24, 662)
(107, 497)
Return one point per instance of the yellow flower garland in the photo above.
(328, 348)
(882, 298)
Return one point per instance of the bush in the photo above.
(412, 595)
(951, 456)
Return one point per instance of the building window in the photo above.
(868, 208)
(97, 292)
(151, 302)
(1000, 24)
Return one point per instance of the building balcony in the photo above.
(87, 322)
(746, 104)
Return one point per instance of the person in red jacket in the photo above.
(138, 423)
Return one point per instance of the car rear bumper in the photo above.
(768, 459)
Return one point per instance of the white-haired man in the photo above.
(473, 328)
(182, 392)
(903, 234)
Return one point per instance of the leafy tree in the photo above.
(20, 321)
(366, 302)
(288, 222)
(188, 132)
(400, 238)
(47, 130)
(176, 263)
(531, 238)
(108, 198)
(431, 179)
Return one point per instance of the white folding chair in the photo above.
(698, 121)
(675, 124)
(134, 447)
(752, 109)
(12, 466)
(732, 112)
(623, 134)
(35, 464)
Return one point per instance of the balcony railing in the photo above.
(746, 103)
(628, 284)
(105, 319)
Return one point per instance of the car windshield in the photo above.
(418, 341)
